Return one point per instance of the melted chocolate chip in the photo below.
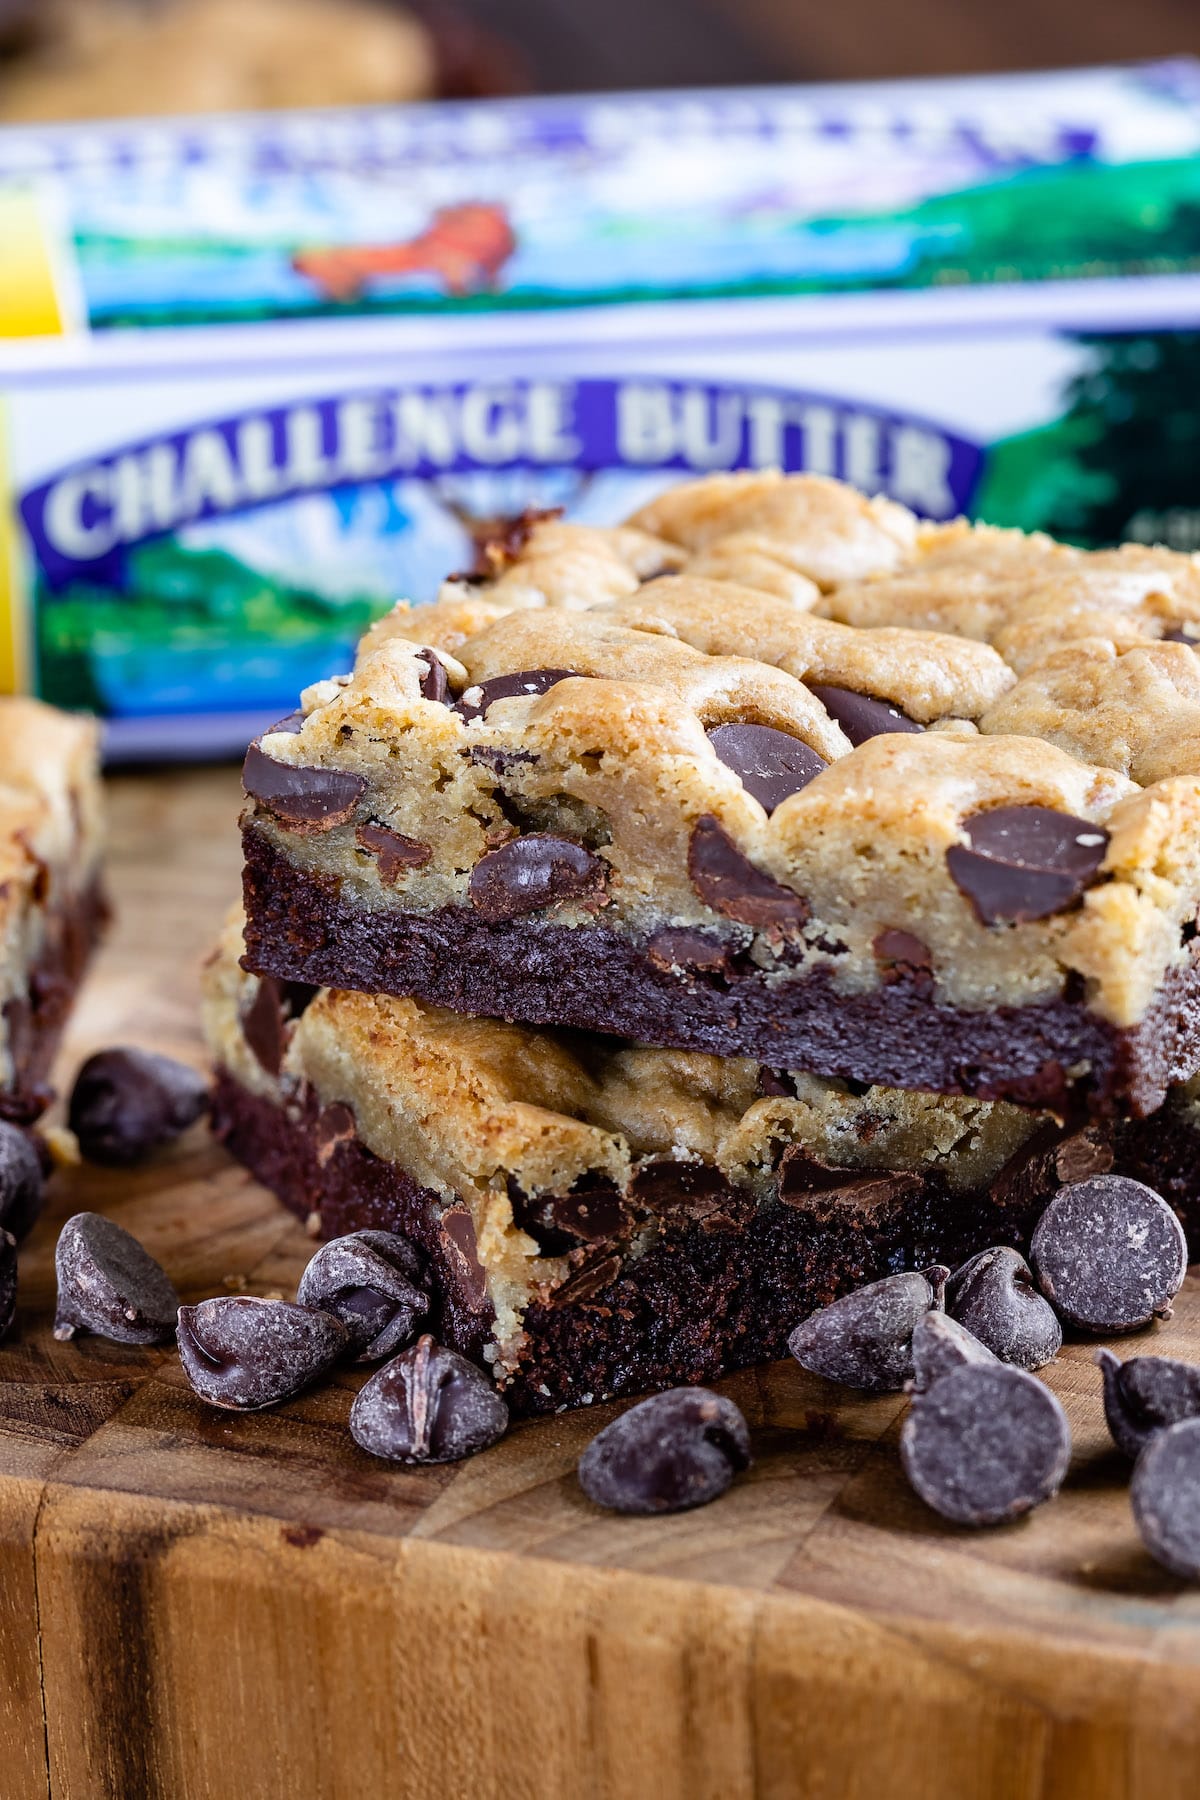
(592, 1212)
(939, 1346)
(475, 700)
(244, 1353)
(903, 958)
(21, 1180)
(985, 1444)
(303, 799)
(860, 715)
(994, 1297)
(394, 853)
(1025, 862)
(729, 882)
(1145, 1395)
(293, 725)
(127, 1103)
(8, 1281)
(775, 1084)
(434, 685)
(770, 763)
(371, 1281)
(668, 1453)
(429, 1405)
(864, 1340)
(529, 873)
(109, 1285)
(679, 1190)
(679, 947)
(1163, 1494)
(457, 1232)
(265, 1020)
(590, 1279)
(1109, 1254)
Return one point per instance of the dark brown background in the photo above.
(626, 43)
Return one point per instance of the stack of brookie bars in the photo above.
(51, 902)
(682, 924)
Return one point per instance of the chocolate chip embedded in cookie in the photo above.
(770, 763)
(1025, 862)
(393, 852)
(474, 701)
(861, 716)
(529, 873)
(729, 882)
(301, 798)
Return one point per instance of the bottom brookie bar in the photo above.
(601, 1219)
(51, 902)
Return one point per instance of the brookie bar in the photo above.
(51, 905)
(600, 1219)
(803, 812)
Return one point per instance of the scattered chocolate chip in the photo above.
(1025, 862)
(474, 701)
(939, 1346)
(273, 1005)
(371, 1280)
(679, 947)
(301, 798)
(244, 1353)
(8, 1281)
(126, 1103)
(428, 1405)
(668, 1453)
(109, 1285)
(770, 763)
(985, 1444)
(1165, 1495)
(860, 715)
(434, 685)
(903, 957)
(864, 1340)
(531, 872)
(994, 1297)
(393, 852)
(1145, 1395)
(21, 1180)
(729, 882)
(1109, 1254)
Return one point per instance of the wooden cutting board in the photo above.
(199, 1605)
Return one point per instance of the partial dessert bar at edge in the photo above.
(599, 1219)
(773, 771)
(51, 898)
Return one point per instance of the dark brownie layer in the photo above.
(300, 928)
(725, 1280)
(34, 1023)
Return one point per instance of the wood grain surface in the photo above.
(197, 1606)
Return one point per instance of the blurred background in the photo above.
(95, 58)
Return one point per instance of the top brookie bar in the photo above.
(51, 905)
(776, 772)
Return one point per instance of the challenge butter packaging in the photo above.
(261, 376)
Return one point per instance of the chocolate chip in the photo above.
(1109, 1254)
(994, 1297)
(109, 1285)
(985, 1444)
(679, 1190)
(1145, 1395)
(592, 1212)
(1165, 1494)
(21, 1180)
(903, 958)
(590, 1279)
(1025, 862)
(864, 1340)
(371, 1280)
(457, 1232)
(1183, 635)
(668, 1453)
(770, 763)
(860, 715)
(474, 701)
(939, 1346)
(243, 1353)
(531, 872)
(775, 1084)
(273, 1005)
(293, 725)
(301, 798)
(393, 852)
(434, 685)
(8, 1281)
(729, 883)
(127, 1103)
(429, 1405)
(679, 947)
